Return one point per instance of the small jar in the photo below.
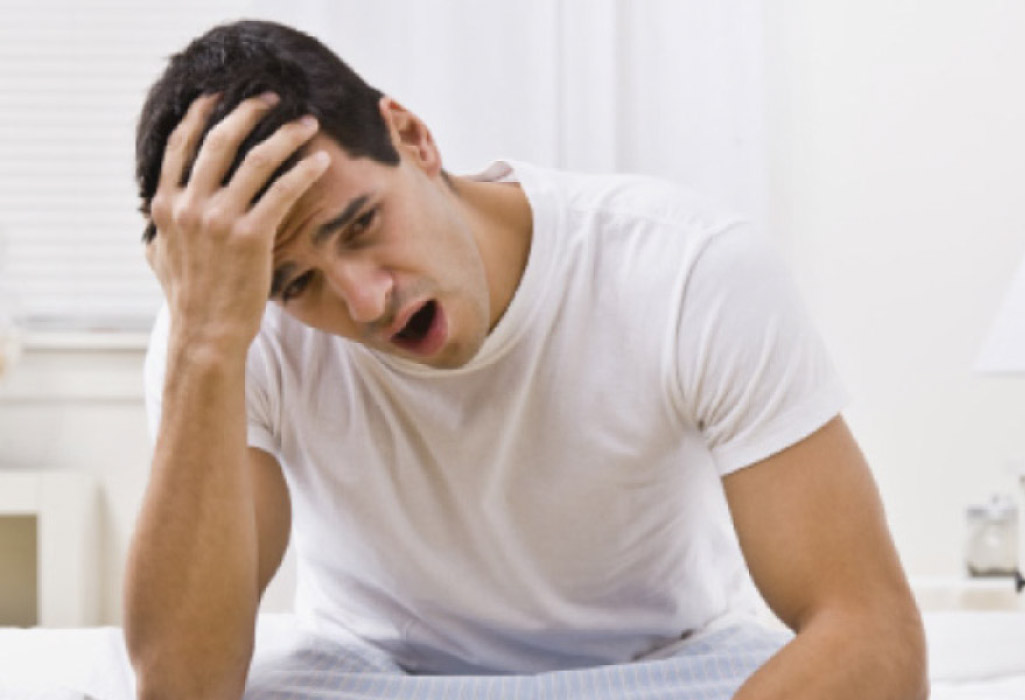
(991, 547)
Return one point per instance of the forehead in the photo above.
(345, 179)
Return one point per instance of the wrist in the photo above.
(209, 353)
(209, 346)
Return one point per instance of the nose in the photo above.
(364, 286)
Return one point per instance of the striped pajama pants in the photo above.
(710, 666)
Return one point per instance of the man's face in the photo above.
(384, 255)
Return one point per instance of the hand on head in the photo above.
(212, 251)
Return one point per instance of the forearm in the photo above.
(837, 656)
(194, 577)
(191, 588)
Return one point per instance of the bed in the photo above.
(973, 655)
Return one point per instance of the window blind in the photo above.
(73, 76)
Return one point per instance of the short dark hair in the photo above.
(246, 58)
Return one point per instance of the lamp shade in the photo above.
(1004, 349)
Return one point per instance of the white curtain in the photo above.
(672, 88)
(72, 79)
(665, 87)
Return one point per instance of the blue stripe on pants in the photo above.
(709, 667)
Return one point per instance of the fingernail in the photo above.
(270, 98)
(321, 158)
(309, 121)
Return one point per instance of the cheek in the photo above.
(459, 258)
(323, 313)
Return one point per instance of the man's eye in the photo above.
(362, 223)
(296, 286)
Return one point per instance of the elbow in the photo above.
(917, 663)
(906, 654)
(198, 655)
(915, 679)
(169, 681)
(880, 648)
(162, 690)
(187, 669)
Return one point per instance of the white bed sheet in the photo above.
(972, 656)
(976, 655)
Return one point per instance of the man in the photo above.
(516, 422)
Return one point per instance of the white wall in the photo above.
(670, 88)
(896, 159)
(897, 136)
(587, 84)
(75, 404)
(73, 409)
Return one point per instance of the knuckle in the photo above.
(218, 139)
(216, 219)
(185, 215)
(160, 209)
(286, 190)
(247, 229)
(259, 159)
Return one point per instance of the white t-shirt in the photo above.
(556, 502)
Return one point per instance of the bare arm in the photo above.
(812, 529)
(214, 520)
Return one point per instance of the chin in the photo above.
(457, 354)
(449, 360)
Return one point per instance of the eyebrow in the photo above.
(325, 230)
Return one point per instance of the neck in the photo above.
(502, 224)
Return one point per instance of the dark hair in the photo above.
(246, 58)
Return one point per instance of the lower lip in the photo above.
(434, 339)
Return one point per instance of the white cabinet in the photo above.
(49, 549)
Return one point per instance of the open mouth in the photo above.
(422, 331)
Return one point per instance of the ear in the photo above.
(410, 136)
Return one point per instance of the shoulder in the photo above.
(638, 199)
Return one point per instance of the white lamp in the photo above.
(1004, 353)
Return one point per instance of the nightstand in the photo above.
(48, 549)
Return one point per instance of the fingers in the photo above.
(276, 202)
(265, 158)
(181, 144)
(204, 204)
(222, 142)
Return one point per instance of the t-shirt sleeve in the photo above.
(754, 374)
(154, 369)
(262, 397)
(261, 403)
